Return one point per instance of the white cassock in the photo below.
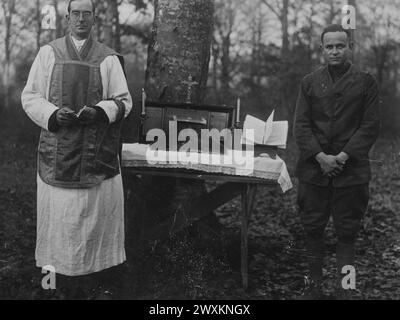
(79, 231)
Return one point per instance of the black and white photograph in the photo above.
(199, 156)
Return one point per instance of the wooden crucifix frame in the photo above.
(157, 115)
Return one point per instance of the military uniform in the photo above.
(336, 111)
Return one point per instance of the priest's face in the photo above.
(81, 18)
(336, 48)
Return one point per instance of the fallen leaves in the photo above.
(194, 267)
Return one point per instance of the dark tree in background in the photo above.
(8, 7)
(111, 25)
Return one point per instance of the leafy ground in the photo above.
(206, 265)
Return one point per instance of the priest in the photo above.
(77, 93)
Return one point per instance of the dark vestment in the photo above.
(81, 156)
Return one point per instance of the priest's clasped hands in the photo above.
(332, 166)
(66, 117)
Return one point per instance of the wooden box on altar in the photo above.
(186, 115)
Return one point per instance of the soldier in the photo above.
(336, 124)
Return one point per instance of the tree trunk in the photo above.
(109, 23)
(179, 48)
(354, 55)
(140, 4)
(311, 37)
(256, 40)
(332, 13)
(58, 20)
(225, 67)
(111, 27)
(39, 24)
(226, 28)
(215, 55)
(285, 56)
(8, 11)
(117, 34)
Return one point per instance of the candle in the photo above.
(143, 102)
(238, 110)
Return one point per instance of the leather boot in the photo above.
(313, 282)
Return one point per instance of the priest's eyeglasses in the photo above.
(77, 14)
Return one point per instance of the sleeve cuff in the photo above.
(101, 114)
(351, 155)
(52, 124)
(109, 108)
(312, 152)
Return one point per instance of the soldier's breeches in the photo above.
(346, 205)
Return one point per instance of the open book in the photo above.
(270, 132)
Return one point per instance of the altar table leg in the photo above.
(248, 195)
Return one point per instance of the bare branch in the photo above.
(271, 7)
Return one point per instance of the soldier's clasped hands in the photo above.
(332, 166)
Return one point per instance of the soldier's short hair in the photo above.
(335, 28)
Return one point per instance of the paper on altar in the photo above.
(270, 132)
(278, 134)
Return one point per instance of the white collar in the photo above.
(78, 43)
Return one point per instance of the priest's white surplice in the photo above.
(79, 231)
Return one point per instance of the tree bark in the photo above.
(225, 66)
(179, 48)
(109, 23)
(226, 24)
(332, 13)
(215, 56)
(8, 11)
(117, 33)
(58, 20)
(354, 54)
(111, 26)
(39, 24)
(285, 56)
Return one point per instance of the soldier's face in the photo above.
(336, 48)
(81, 18)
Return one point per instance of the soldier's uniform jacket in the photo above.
(333, 117)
